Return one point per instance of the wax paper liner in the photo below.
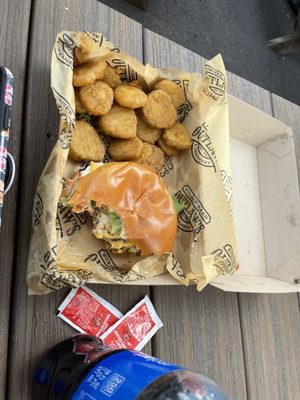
(63, 251)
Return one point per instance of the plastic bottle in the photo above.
(81, 368)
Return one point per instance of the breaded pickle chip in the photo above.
(97, 98)
(159, 111)
(120, 122)
(125, 149)
(168, 150)
(174, 91)
(86, 143)
(130, 96)
(152, 157)
(147, 133)
(86, 74)
(79, 109)
(111, 77)
(177, 137)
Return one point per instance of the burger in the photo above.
(130, 206)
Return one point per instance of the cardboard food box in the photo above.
(266, 205)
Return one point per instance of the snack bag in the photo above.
(63, 251)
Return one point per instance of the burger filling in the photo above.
(108, 226)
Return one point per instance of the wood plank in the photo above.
(271, 329)
(163, 53)
(34, 325)
(201, 330)
(14, 20)
(249, 92)
(290, 114)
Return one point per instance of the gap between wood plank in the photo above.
(243, 347)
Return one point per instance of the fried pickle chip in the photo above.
(97, 98)
(79, 109)
(86, 46)
(147, 133)
(152, 157)
(174, 91)
(177, 137)
(159, 111)
(125, 150)
(86, 143)
(86, 74)
(130, 96)
(111, 77)
(168, 150)
(120, 122)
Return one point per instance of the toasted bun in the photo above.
(139, 196)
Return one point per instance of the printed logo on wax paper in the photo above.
(194, 217)
(51, 283)
(217, 83)
(67, 222)
(179, 271)
(202, 148)
(37, 209)
(97, 37)
(49, 265)
(177, 268)
(54, 279)
(227, 182)
(106, 140)
(49, 259)
(68, 116)
(103, 258)
(72, 278)
(63, 49)
(186, 107)
(65, 137)
(126, 72)
(168, 166)
(224, 259)
(58, 279)
(133, 276)
(101, 40)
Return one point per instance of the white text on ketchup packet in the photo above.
(135, 329)
(87, 312)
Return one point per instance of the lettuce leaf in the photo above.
(178, 206)
(116, 223)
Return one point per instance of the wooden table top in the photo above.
(248, 343)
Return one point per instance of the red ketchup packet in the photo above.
(135, 328)
(87, 312)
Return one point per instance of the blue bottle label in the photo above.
(122, 376)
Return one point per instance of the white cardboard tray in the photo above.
(266, 205)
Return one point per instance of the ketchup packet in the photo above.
(87, 312)
(135, 328)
